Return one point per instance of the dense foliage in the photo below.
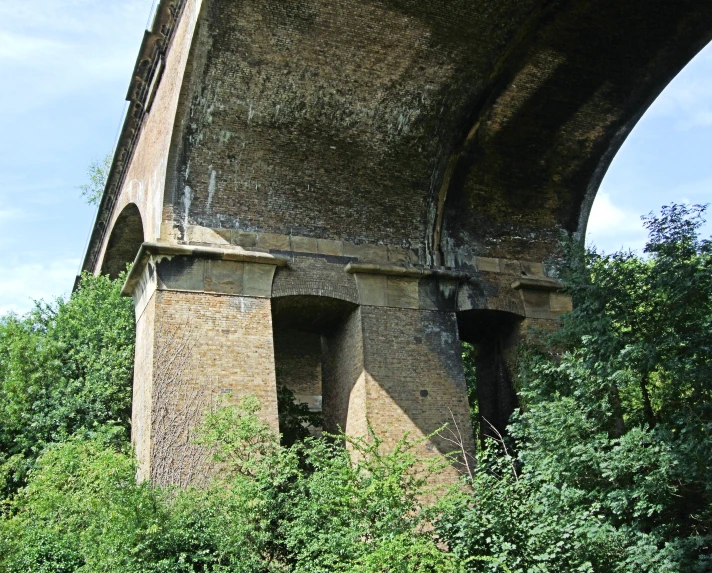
(307, 508)
(607, 469)
(65, 368)
(615, 435)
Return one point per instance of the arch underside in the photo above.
(454, 128)
(127, 235)
(537, 144)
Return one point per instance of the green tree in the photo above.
(317, 506)
(614, 436)
(65, 367)
(97, 175)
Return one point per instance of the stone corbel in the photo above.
(543, 297)
(231, 271)
(423, 288)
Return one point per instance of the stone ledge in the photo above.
(399, 271)
(537, 284)
(235, 254)
(390, 256)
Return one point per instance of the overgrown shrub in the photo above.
(612, 472)
(66, 367)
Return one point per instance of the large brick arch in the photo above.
(530, 156)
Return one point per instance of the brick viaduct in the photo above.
(331, 194)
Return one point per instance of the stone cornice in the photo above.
(538, 284)
(237, 254)
(401, 271)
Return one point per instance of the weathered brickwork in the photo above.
(141, 426)
(348, 114)
(206, 348)
(414, 375)
(298, 361)
(319, 275)
(144, 181)
(382, 176)
(344, 378)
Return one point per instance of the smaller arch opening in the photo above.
(303, 327)
(126, 239)
(490, 341)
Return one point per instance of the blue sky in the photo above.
(64, 70)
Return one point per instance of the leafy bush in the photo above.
(65, 367)
(610, 472)
(317, 506)
(614, 438)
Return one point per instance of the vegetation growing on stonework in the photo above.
(607, 469)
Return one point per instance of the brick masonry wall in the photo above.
(298, 360)
(329, 119)
(141, 423)
(344, 379)
(415, 379)
(145, 180)
(400, 371)
(207, 348)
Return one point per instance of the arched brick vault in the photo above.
(446, 126)
(555, 112)
(456, 127)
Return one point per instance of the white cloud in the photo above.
(607, 219)
(21, 284)
(610, 227)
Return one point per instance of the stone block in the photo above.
(208, 236)
(244, 239)
(532, 269)
(402, 292)
(304, 245)
(399, 255)
(487, 265)
(509, 267)
(536, 303)
(258, 280)
(272, 241)
(225, 277)
(372, 289)
(181, 273)
(367, 253)
(329, 247)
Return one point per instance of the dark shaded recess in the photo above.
(302, 325)
(494, 335)
(309, 313)
(125, 241)
(530, 172)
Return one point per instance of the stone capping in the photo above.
(239, 254)
(400, 271)
(538, 284)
